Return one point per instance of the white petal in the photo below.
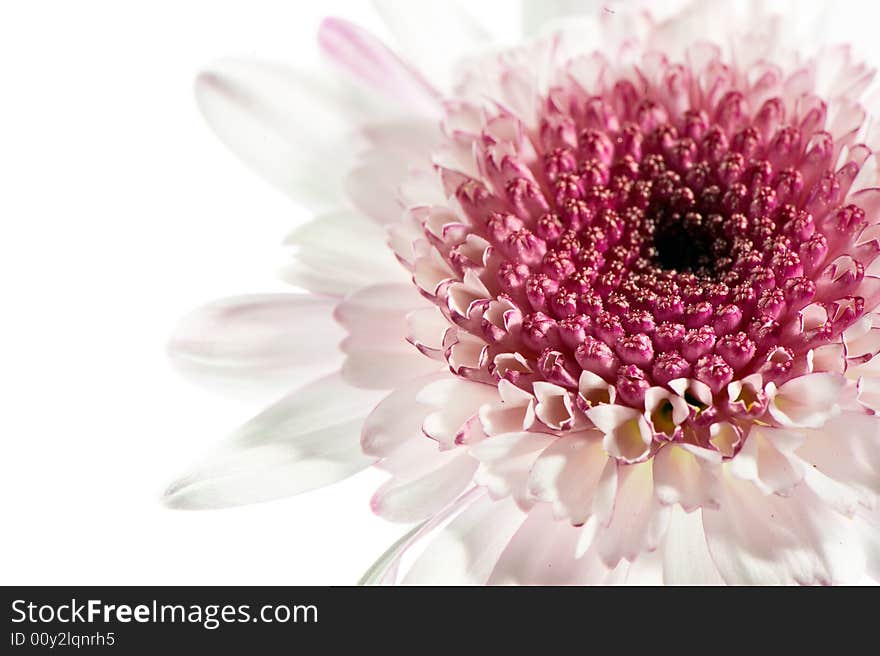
(307, 440)
(539, 13)
(373, 190)
(645, 570)
(338, 253)
(263, 338)
(847, 450)
(386, 570)
(397, 150)
(289, 126)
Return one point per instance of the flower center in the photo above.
(648, 238)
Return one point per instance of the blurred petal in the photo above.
(807, 401)
(544, 552)
(378, 355)
(326, 263)
(452, 33)
(360, 53)
(466, 551)
(410, 500)
(288, 126)
(304, 441)
(536, 14)
(397, 419)
(505, 462)
(567, 475)
(264, 338)
(758, 539)
(638, 521)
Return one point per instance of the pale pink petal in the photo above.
(807, 401)
(514, 413)
(869, 393)
(396, 420)
(454, 403)
(372, 368)
(554, 408)
(372, 188)
(427, 330)
(567, 474)
(767, 459)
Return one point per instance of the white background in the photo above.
(120, 212)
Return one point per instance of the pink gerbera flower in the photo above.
(608, 302)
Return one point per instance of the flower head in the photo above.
(631, 326)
